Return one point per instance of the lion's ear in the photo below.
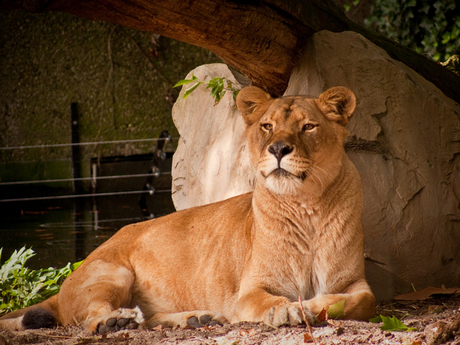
(338, 104)
(252, 103)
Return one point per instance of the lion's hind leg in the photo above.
(97, 297)
(188, 319)
(42, 315)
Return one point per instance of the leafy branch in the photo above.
(21, 287)
(217, 86)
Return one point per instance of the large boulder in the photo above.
(404, 140)
(211, 162)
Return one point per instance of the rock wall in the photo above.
(122, 80)
(404, 140)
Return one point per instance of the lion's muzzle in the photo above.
(280, 149)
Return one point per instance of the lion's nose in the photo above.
(280, 149)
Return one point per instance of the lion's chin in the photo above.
(280, 173)
(281, 181)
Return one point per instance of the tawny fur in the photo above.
(248, 258)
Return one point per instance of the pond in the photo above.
(62, 231)
(67, 229)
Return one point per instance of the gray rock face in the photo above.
(404, 140)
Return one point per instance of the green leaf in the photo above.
(193, 88)
(394, 325)
(217, 86)
(235, 94)
(335, 310)
(446, 38)
(216, 81)
(186, 81)
(219, 97)
(214, 91)
(376, 319)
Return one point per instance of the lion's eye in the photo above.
(308, 127)
(267, 126)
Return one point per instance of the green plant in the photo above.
(392, 324)
(21, 287)
(429, 27)
(217, 86)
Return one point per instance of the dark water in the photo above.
(62, 231)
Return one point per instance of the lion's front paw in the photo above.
(202, 319)
(120, 319)
(288, 314)
(187, 319)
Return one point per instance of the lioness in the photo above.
(248, 258)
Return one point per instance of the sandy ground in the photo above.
(437, 321)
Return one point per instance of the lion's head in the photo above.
(296, 142)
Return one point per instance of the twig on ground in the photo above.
(310, 329)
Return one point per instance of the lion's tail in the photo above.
(41, 315)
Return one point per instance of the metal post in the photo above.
(76, 156)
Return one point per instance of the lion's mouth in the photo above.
(282, 173)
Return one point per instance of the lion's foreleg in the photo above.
(259, 305)
(359, 303)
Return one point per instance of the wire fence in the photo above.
(79, 144)
(38, 198)
(80, 179)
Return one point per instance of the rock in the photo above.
(211, 162)
(404, 140)
(442, 331)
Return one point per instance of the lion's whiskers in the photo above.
(315, 175)
(327, 174)
(321, 173)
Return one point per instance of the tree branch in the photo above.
(261, 38)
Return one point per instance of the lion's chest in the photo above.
(299, 273)
(297, 257)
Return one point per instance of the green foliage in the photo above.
(392, 324)
(347, 7)
(217, 86)
(21, 287)
(429, 27)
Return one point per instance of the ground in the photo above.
(436, 319)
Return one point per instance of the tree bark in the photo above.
(260, 38)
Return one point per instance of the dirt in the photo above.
(437, 321)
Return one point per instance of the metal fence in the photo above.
(154, 172)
